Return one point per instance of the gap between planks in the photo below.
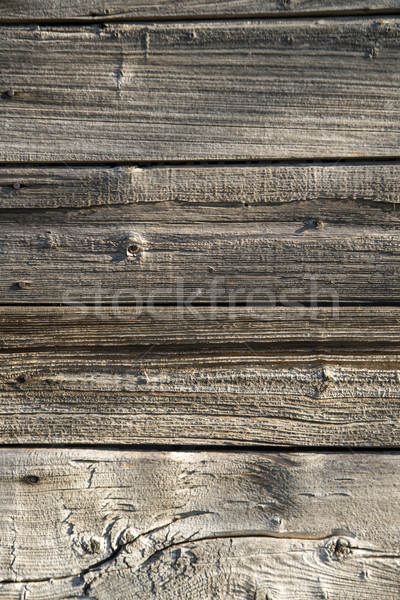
(51, 12)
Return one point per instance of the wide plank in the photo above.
(242, 397)
(268, 89)
(23, 11)
(199, 263)
(106, 524)
(209, 235)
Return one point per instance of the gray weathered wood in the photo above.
(227, 397)
(132, 525)
(83, 326)
(240, 90)
(215, 234)
(102, 524)
(93, 10)
(202, 262)
(172, 188)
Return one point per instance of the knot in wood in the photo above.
(31, 479)
(340, 549)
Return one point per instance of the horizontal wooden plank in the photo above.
(202, 263)
(83, 326)
(269, 89)
(247, 397)
(107, 524)
(81, 11)
(211, 234)
(355, 185)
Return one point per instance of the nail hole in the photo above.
(317, 223)
(22, 378)
(31, 479)
(133, 249)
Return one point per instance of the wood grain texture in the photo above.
(83, 326)
(230, 397)
(172, 188)
(202, 263)
(241, 90)
(106, 10)
(103, 524)
(208, 234)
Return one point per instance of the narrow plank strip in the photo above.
(102, 524)
(226, 185)
(239, 90)
(151, 397)
(80, 11)
(83, 326)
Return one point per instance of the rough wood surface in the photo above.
(203, 262)
(198, 397)
(212, 234)
(293, 88)
(172, 188)
(103, 524)
(83, 326)
(136, 525)
(105, 10)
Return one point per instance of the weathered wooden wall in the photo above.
(199, 300)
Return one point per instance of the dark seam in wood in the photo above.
(205, 18)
